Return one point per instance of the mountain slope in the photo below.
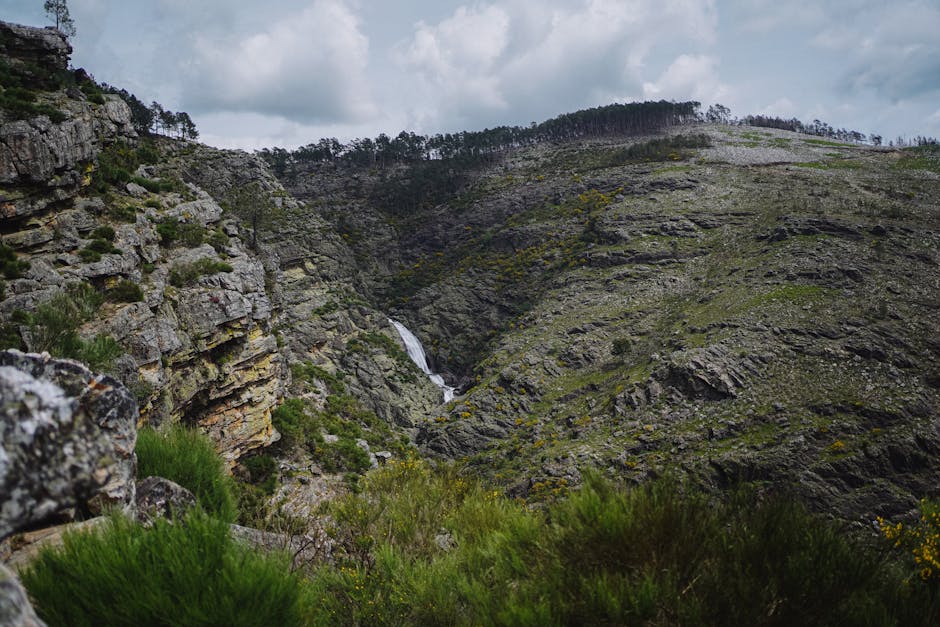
(761, 309)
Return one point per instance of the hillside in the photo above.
(757, 310)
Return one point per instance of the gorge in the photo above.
(641, 330)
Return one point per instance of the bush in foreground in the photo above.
(189, 572)
(432, 548)
(190, 459)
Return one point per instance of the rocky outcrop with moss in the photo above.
(754, 311)
(50, 130)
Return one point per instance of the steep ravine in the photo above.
(758, 311)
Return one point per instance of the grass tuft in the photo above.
(188, 572)
(189, 458)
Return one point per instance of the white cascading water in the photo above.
(416, 352)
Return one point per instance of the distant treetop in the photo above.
(58, 11)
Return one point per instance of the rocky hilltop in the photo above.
(730, 303)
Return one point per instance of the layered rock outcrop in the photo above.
(46, 157)
(193, 320)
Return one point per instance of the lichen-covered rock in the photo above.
(68, 439)
(161, 498)
(15, 609)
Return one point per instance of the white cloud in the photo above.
(689, 77)
(782, 107)
(892, 49)
(536, 60)
(308, 67)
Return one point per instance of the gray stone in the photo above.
(159, 497)
(68, 440)
(136, 190)
(15, 609)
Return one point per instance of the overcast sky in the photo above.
(288, 72)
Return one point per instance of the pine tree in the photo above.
(58, 10)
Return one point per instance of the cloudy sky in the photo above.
(287, 72)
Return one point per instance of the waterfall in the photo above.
(416, 352)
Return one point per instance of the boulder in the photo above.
(68, 440)
(159, 497)
(15, 610)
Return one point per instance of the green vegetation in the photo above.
(104, 232)
(123, 213)
(218, 240)
(10, 266)
(386, 344)
(187, 273)
(431, 547)
(920, 158)
(97, 247)
(831, 164)
(342, 418)
(306, 372)
(189, 458)
(18, 91)
(826, 142)
(183, 573)
(125, 291)
(675, 148)
(117, 163)
(53, 327)
(326, 308)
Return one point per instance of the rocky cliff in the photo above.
(111, 258)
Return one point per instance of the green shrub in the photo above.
(184, 573)
(103, 246)
(293, 423)
(99, 352)
(53, 327)
(306, 372)
(191, 234)
(97, 247)
(152, 186)
(218, 240)
(189, 458)
(88, 255)
(661, 149)
(187, 273)
(262, 472)
(168, 230)
(342, 417)
(664, 553)
(10, 266)
(93, 92)
(125, 292)
(123, 213)
(104, 232)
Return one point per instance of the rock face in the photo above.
(42, 161)
(44, 47)
(68, 440)
(15, 609)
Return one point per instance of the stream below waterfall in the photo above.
(417, 354)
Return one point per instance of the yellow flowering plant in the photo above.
(920, 539)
